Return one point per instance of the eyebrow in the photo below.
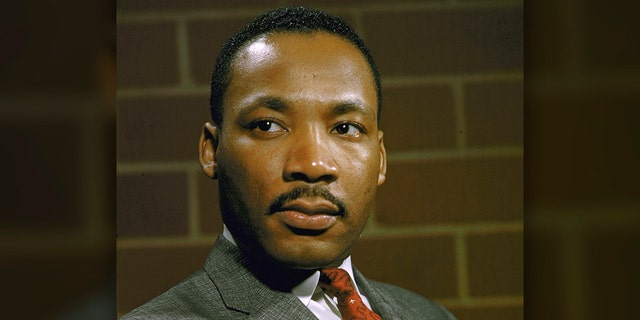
(268, 102)
(351, 107)
(278, 105)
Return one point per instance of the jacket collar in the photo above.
(380, 302)
(250, 287)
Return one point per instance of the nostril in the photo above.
(301, 176)
(310, 163)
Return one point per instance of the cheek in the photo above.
(362, 166)
(253, 169)
(360, 176)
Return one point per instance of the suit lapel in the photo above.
(242, 291)
(380, 302)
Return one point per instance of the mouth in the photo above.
(309, 215)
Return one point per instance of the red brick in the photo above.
(147, 55)
(162, 128)
(423, 264)
(210, 218)
(446, 41)
(488, 313)
(418, 117)
(494, 113)
(151, 204)
(451, 191)
(495, 264)
(144, 273)
(169, 5)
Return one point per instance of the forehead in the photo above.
(293, 44)
(293, 64)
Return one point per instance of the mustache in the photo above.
(306, 191)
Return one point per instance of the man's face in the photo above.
(299, 155)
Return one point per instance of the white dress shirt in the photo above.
(311, 295)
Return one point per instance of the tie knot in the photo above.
(336, 282)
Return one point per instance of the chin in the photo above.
(306, 263)
(309, 256)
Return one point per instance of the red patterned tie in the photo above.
(337, 283)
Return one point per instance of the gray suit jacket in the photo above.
(225, 288)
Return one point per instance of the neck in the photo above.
(275, 275)
(270, 272)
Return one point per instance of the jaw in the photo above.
(309, 253)
(303, 249)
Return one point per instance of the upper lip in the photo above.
(311, 206)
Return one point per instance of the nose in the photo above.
(310, 159)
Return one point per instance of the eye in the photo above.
(269, 126)
(348, 129)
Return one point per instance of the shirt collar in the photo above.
(227, 235)
(304, 291)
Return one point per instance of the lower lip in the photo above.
(301, 220)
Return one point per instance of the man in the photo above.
(295, 146)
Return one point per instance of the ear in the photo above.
(382, 174)
(207, 150)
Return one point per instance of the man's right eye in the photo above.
(266, 126)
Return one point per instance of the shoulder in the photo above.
(189, 299)
(197, 296)
(412, 303)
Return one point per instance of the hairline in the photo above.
(221, 77)
(310, 32)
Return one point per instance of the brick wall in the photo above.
(449, 219)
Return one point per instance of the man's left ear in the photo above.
(382, 174)
(207, 146)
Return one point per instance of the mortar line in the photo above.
(193, 208)
(359, 24)
(169, 166)
(377, 230)
(491, 301)
(165, 242)
(184, 65)
(497, 152)
(462, 271)
(133, 93)
(509, 76)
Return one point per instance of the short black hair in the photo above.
(286, 19)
